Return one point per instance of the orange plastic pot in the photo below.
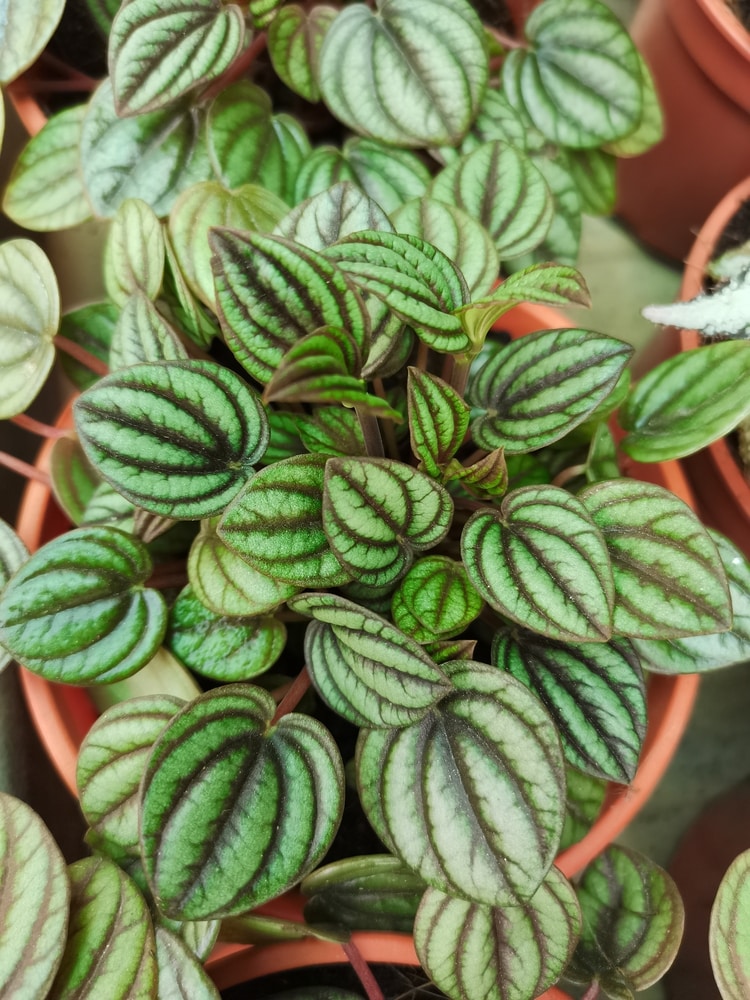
(699, 55)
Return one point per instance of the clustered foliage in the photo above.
(314, 457)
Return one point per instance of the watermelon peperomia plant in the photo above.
(392, 548)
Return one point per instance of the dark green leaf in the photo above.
(435, 600)
(584, 800)
(438, 420)
(728, 937)
(331, 430)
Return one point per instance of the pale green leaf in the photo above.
(729, 933)
(295, 38)
(24, 32)
(134, 252)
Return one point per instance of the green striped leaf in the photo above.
(271, 292)
(366, 669)
(632, 923)
(376, 893)
(295, 38)
(696, 654)
(563, 240)
(650, 128)
(160, 51)
(438, 420)
(445, 650)
(45, 191)
(110, 765)
(92, 327)
(33, 903)
(545, 283)
(295, 151)
(390, 176)
(322, 169)
(221, 647)
(585, 797)
(471, 797)
(228, 585)
(669, 579)
(73, 478)
(134, 252)
(595, 177)
(181, 975)
(415, 280)
(541, 561)
(480, 952)
(205, 206)
(29, 318)
(188, 313)
(502, 188)
(435, 600)
(145, 432)
(110, 954)
(687, 402)
(276, 524)
(78, 610)
(103, 13)
(391, 346)
(411, 74)
(13, 553)
(24, 33)
(377, 513)
(263, 12)
(250, 928)
(233, 786)
(153, 156)
(330, 430)
(595, 693)
(487, 478)
(580, 78)
(332, 215)
(537, 389)
(729, 933)
(461, 238)
(142, 334)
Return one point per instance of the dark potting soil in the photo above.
(397, 982)
(737, 230)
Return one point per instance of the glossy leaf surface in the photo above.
(78, 610)
(331, 215)
(234, 787)
(147, 433)
(142, 334)
(435, 600)
(438, 420)
(728, 939)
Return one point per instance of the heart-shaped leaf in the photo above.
(595, 692)
(276, 524)
(669, 579)
(144, 430)
(438, 420)
(537, 389)
(501, 187)
(486, 478)
(411, 74)
(295, 38)
(24, 32)
(699, 653)
(435, 600)
(181, 975)
(323, 168)
(45, 191)
(632, 923)
(153, 156)
(111, 763)
(222, 648)
(480, 952)
(378, 512)
(233, 786)
(728, 941)
(376, 892)
(78, 610)
(331, 430)
(650, 128)
(580, 78)
(388, 175)
(134, 253)
(541, 561)
(270, 292)
(29, 317)
(205, 206)
(331, 215)
(160, 51)
(142, 334)
(687, 402)
(33, 902)
(110, 937)
(364, 667)
(92, 327)
(471, 797)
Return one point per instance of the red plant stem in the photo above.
(566, 475)
(84, 80)
(78, 84)
(371, 433)
(507, 41)
(23, 468)
(364, 972)
(592, 993)
(169, 574)
(423, 353)
(80, 354)
(291, 699)
(37, 427)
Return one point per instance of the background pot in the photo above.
(699, 55)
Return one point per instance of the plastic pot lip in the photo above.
(63, 713)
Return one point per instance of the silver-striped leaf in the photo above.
(331, 430)
(728, 938)
(142, 334)
(438, 420)
(233, 786)
(13, 553)
(187, 312)
(110, 765)
(34, 901)
(134, 252)
(92, 327)
(24, 32)
(480, 952)
(73, 478)
(181, 975)
(295, 38)
(540, 387)
(323, 168)
(472, 797)
(329, 216)
(177, 438)
(390, 176)
(78, 611)
(159, 51)
(435, 600)
(563, 240)
(595, 692)
(271, 292)
(364, 667)
(650, 127)
(378, 512)
(411, 74)
(540, 560)
(276, 524)
(669, 578)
